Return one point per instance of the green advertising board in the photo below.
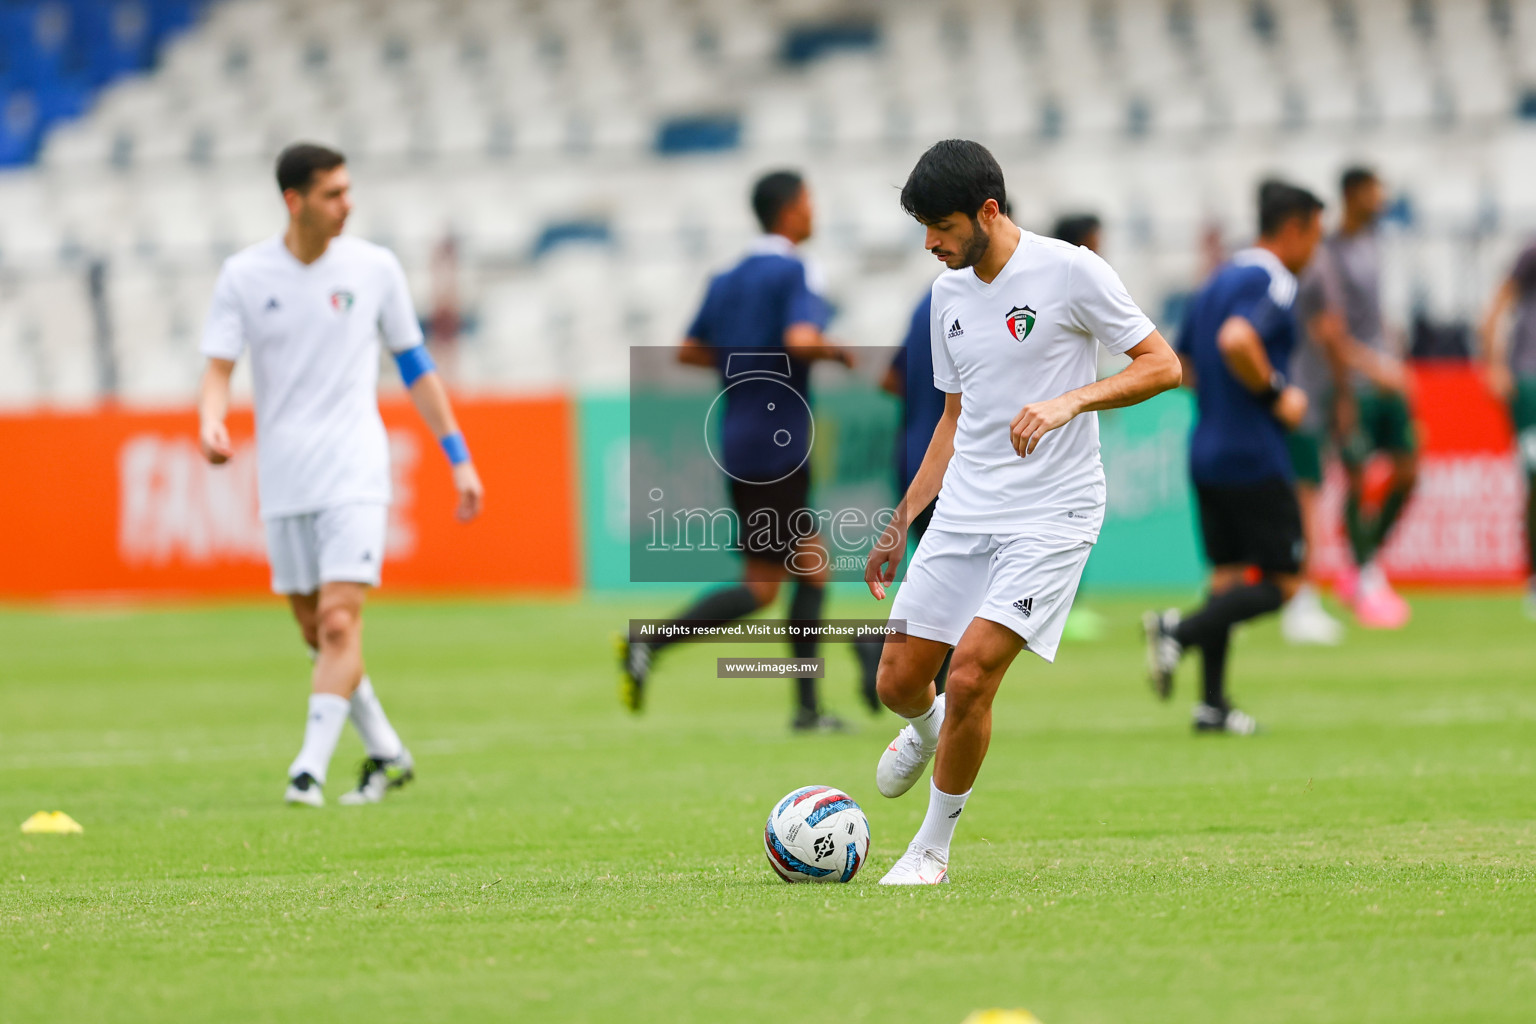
(1149, 536)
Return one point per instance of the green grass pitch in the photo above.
(1369, 859)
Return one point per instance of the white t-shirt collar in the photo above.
(772, 245)
(281, 241)
(1007, 265)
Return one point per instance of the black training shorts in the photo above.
(1253, 524)
(772, 515)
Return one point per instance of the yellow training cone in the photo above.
(55, 822)
(1002, 1017)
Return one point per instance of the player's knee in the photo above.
(339, 626)
(897, 688)
(764, 592)
(967, 692)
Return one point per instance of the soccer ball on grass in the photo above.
(816, 834)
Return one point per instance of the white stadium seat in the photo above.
(493, 120)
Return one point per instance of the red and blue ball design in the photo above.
(816, 834)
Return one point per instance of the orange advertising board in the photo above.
(116, 502)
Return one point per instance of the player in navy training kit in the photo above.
(761, 327)
(1236, 345)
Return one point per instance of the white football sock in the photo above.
(943, 814)
(380, 740)
(327, 714)
(927, 724)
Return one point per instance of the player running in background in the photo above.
(1373, 415)
(1014, 463)
(768, 303)
(312, 306)
(1236, 342)
(1510, 359)
(1318, 369)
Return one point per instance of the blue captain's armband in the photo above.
(414, 363)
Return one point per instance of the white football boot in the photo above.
(1304, 621)
(918, 866)
(378, 778)
(1227, 720)
(303, 789)
(903, 762)
(1163, 651)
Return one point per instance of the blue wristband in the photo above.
(414, 363)
(456, 449)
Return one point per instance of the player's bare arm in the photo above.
(887, 553)
(1345, 352)
(1332, 335)
(212, 407)
(693, 352)
(1154, 369)
(431, 400)
(1243, 351)
(805, 341)
(1496, 341)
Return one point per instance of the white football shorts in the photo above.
(341, 544)
(1025, 582)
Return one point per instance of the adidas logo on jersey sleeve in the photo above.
(955, 330)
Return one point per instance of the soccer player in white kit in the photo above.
(1015, 465)
(312, 307)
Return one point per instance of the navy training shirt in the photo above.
(924, 403)
(765, 431)
(1237, 440)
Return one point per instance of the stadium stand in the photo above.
(591, 157)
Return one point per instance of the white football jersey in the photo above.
(313, 332)
(1029, 336)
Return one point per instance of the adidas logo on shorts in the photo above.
(1025, 605)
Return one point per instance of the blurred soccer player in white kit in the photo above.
(312, 307)
(1014, 462)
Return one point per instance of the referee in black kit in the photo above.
(760, 327)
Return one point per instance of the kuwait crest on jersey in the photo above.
(1021, 320)
(341, 300)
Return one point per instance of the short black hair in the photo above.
(1355, 176)
(1280, 202)
(772, 193)
(1076, 228)
(954, 176)
(299, 163)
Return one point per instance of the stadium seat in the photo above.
(475, 117)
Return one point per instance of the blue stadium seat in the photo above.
(19, 123)
(54, 54)
(805, 43)
(699, 134)
(115, 37)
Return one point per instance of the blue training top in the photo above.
(924, 404)
(766, 431)
(1237, 440)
